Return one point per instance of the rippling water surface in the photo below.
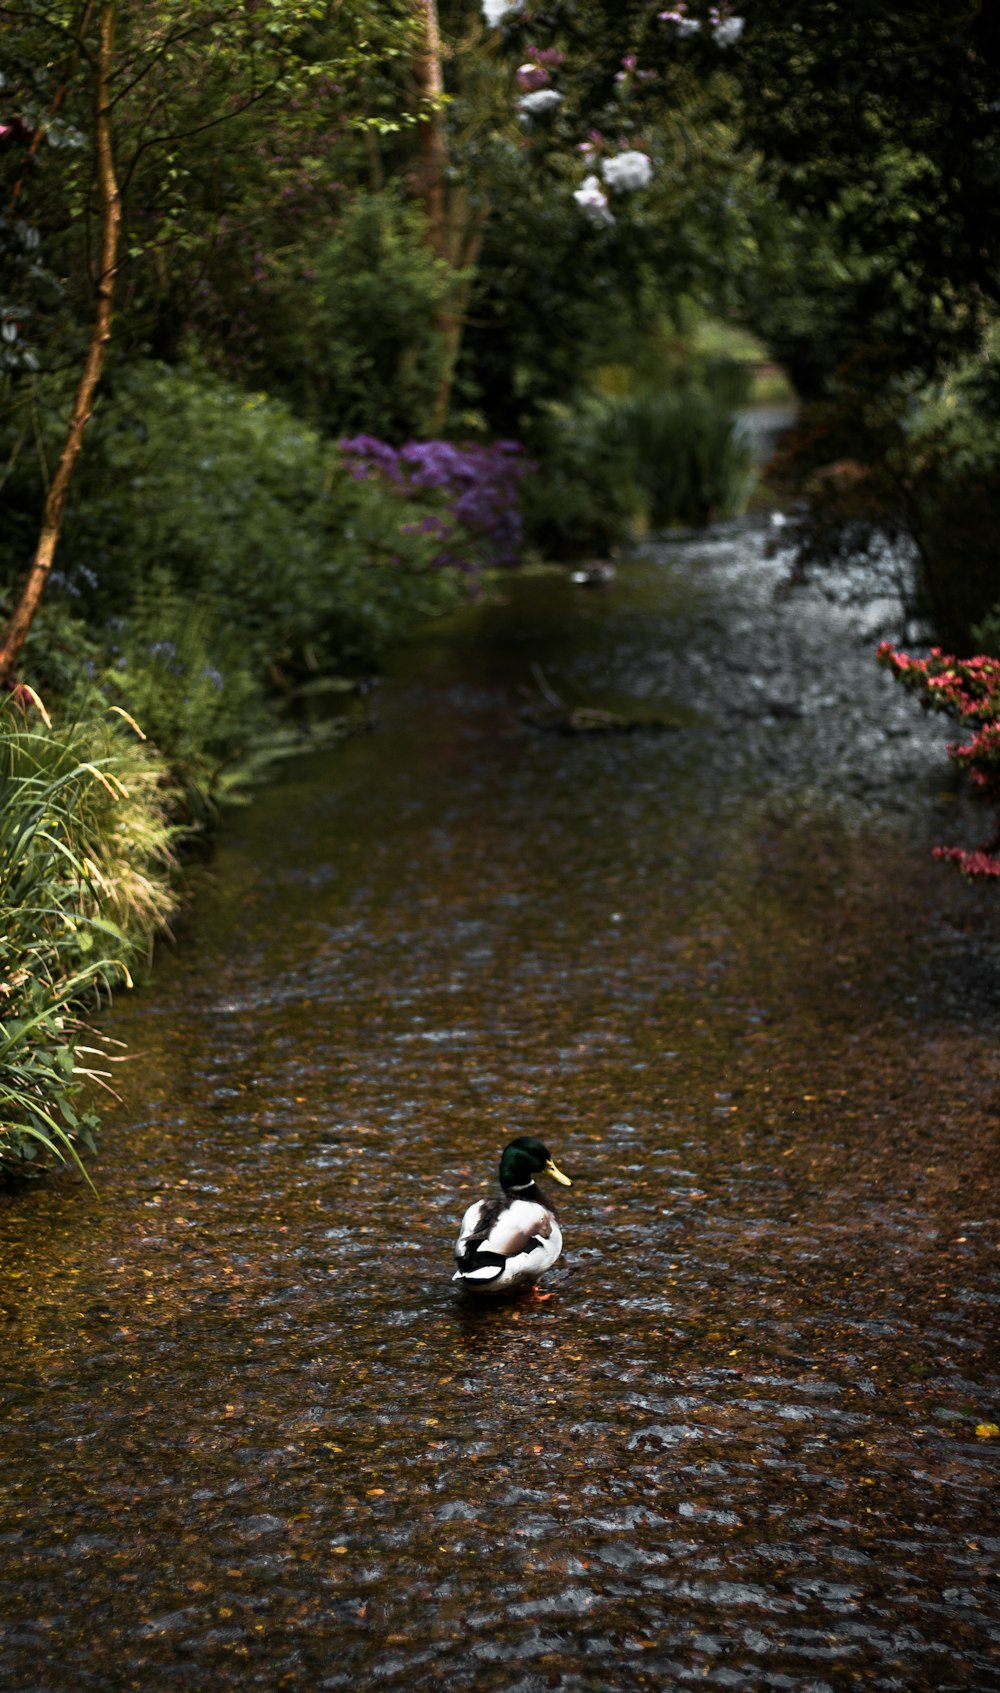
(251, 1436)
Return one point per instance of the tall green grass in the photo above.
(685, 451)
(85, 865)
(647, 457)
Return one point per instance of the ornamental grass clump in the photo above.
(968, 689)
(85, 866)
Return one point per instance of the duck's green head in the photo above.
(523, 1160)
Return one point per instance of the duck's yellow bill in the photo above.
(557, 1175)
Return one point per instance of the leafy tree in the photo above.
(142, 118)
(880, 284)
(20, 621)
(536, 103)
(877, 127)
(341, 319)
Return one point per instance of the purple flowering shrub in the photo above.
(479, 522)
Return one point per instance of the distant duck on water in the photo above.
(596, 573)
(507, 1243)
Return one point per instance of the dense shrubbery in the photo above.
(245, 508)
(986, 635)
(343, 326)
(948, 464)
(186, 675)
(885, 462)
(216, 545)
(581, 499)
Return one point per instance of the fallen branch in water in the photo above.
(552, 714)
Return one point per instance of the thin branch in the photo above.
(168, 41)
(199, 129)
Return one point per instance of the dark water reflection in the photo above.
(252, 1439)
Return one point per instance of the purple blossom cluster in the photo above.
(479, 485)
(536, 73)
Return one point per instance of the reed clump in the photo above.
(687, 456)
(649, 454)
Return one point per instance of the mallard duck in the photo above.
(507, 1243)
(596, 573)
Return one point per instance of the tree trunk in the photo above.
(20, 622)
(454, 233)
(451, 319)
(428, 178)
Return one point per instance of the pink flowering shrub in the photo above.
(968, 689)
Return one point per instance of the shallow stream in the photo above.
(251, 1436)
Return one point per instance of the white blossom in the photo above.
(593, 201)
(628, 170)
(541, 101)
(494, 11)
(687, 26)
(728, 32)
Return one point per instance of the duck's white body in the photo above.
(504, 1244)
